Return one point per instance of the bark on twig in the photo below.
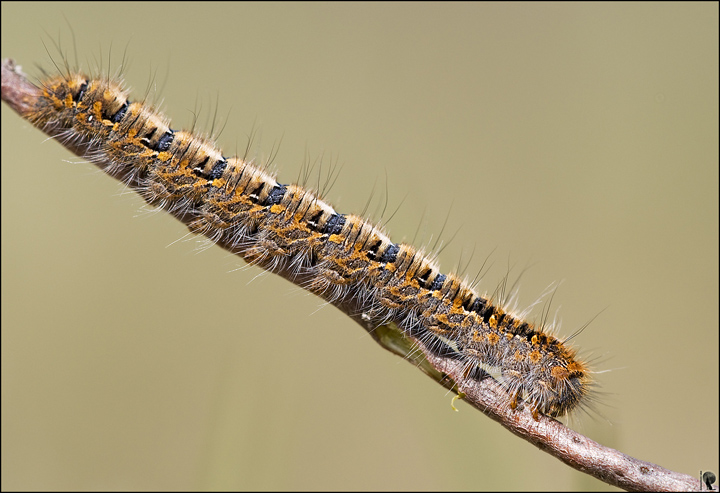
(551, 436)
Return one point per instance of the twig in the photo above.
(485, 394)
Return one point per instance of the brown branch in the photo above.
(548, 434)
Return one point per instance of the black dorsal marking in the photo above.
(165, 141)
(119, 114)
(276, 195)
(218, 169)
(334, 225)
(389, 256)
(438, 282)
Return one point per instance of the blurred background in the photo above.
(572, 143)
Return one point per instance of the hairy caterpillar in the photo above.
(591, 179)
(288, 230)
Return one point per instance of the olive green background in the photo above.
(570, 142)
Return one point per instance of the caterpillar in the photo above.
(289, 230)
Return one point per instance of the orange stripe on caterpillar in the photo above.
(289, 230)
